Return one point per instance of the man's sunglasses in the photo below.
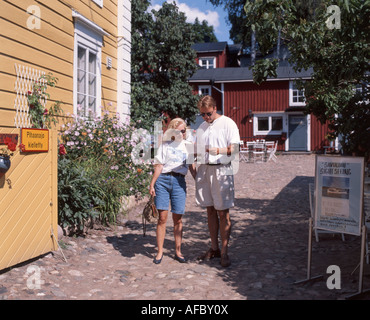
(208, 114)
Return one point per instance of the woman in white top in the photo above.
(168, 184)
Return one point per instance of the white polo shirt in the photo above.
(221, 133)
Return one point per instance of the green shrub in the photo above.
(101, 148)
(78, 196)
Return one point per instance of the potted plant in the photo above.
(5, 154)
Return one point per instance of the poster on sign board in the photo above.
(339, 185)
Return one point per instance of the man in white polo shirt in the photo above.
(217, 145)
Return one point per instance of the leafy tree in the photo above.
(239, 31)
(162, 61)
(203, 32)
(337, 53)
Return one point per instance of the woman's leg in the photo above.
(177, 232)
(178, 200)
(161, 231)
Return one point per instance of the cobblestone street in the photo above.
(268, 251)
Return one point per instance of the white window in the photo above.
(87, 66)
(205, 90)
(296, 96)
(207, 63)
(86, 80)
(265, 124)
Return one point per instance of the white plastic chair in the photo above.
(259, 151)
(243, 152)
(311, 194)
(250, 148)
(271, 147)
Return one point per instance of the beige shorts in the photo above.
(214, 187)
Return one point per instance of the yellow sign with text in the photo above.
(35, 140)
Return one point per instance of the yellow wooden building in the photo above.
(86, 44)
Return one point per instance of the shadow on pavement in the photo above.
(270, 249)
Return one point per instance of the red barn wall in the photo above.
(271, 96)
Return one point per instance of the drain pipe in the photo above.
(222, 93)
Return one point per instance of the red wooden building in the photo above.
(273, 110)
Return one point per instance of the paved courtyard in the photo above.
(268, 251)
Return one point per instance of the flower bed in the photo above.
(96, 152)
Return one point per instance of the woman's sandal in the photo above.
(180, 259)
(158, 261)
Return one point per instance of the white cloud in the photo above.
(211, 17)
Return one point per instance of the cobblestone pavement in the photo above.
(268, 250)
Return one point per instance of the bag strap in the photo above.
(154, 209)
(144, 226)
(151, 200)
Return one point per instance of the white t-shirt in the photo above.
(173, 155)
(221, 133)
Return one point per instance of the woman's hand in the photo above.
(157, 171)
(152, 191)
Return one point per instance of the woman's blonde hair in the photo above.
(175, 123)
(170, 135)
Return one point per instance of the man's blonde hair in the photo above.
(206, 102)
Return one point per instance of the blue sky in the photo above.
(204, 10)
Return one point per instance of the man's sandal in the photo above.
(210, 254)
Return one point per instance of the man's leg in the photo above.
(225, 229)
(213, 226)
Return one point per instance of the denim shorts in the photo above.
(172, 189)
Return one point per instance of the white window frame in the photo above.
(292, 91)
(269, 116)
(200, 88)
(207, 64)
(90, 37)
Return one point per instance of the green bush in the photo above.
(79, 198)
(101, 148)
